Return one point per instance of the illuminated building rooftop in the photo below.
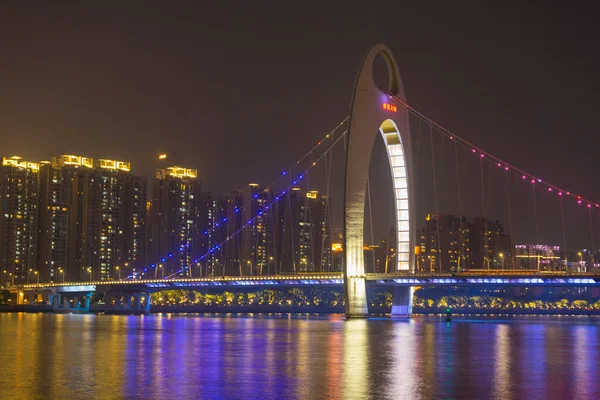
(176, 172)
(18, 162)
(113, 164)
(77, 161)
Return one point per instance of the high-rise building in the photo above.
(19, 182)
(443, 244)
(452, 243)
(232, 228)
(257, 238)
(538, 257)
(92, 219)
(175, 220)
(490, 247)
(135, 228)
(305, 232)
(74, 176)
(212, 253)
(53, 223)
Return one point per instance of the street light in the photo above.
(502, 257)
(118, 272)
(90, 271)
(37, 276)
(62, 271)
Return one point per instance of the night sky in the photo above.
(242, 89)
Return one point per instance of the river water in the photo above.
(296, 357)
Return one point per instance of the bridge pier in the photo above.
(356, 298)
(402, 300)
(127, 303)
(71, 302)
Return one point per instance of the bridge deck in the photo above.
(335, 279)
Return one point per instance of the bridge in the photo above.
(385, 113)
(134, 295)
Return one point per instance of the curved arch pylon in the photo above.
(373, 112)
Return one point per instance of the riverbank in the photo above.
(213, 309)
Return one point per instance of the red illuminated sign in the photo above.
(389, 107)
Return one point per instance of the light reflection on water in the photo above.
(180, 356)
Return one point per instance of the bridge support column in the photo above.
(146, 303)
(137, 303)
(402, 299)
(356, 298)
(88, 299)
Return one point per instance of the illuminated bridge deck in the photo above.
(334, 280)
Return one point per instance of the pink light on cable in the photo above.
(533, 181)
(589, 206)
(506, 168)
(481, 155)
(474, 151)
(578, 201)
(549, 189)
(560, 193)
(524, 177)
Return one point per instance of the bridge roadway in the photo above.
(483, 278)
(133, 296)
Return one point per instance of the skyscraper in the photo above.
(490, 246)
(175, 220)
(257, 238)
(53, 223)
(443, 243)
(212, 255)
(19, 181)
(305, 232)
(91, 219)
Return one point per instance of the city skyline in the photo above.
(299, 200)
(100, 89)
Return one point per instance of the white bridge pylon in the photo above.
(373, 112)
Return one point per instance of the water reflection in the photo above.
(179, 356)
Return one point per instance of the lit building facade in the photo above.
(176, 220)
(450, 243)
(304, 223)
(212, 255)
(538, 257)
(92, 219)
(443, 244)
(257, 237)
(490, 247)
(19, 182)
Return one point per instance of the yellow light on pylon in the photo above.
(162, 156)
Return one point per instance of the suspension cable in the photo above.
(284, 174)
(535, 219)
(437, 209)
(461, 232)
(268, 206)
(371, 220)
(564, 234)
(591, 236)
(510, 225)
(485, 229)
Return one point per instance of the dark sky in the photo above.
(239, 90)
